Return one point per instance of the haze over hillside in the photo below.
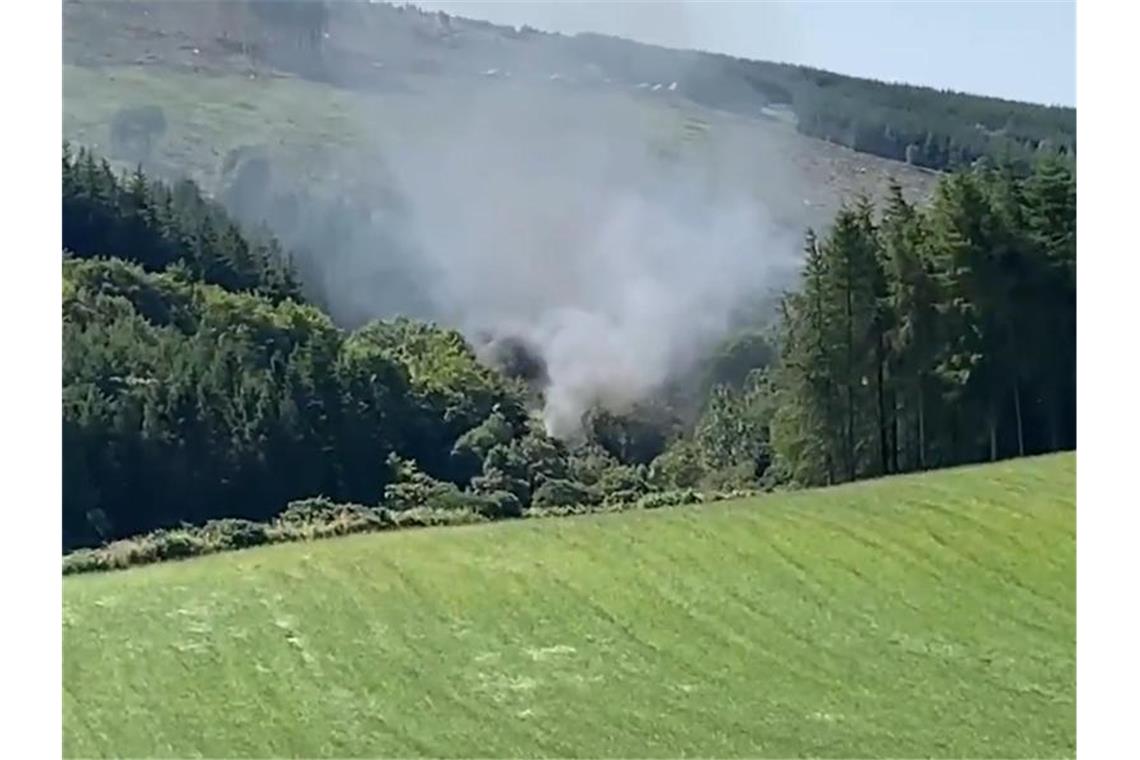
(617, 206)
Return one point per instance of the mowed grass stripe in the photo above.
(926, 615)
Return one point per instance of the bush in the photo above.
(506, 458)
(491, 432)
(235, 534)
(460, 501)
(351, 518)
(737, 493)
(426, 517)
(738, 477)
(567, 511)
(622, 497)
(679, 466)
(319, 517)
(414, 488)
(309, 511)
(180, 544)
(502, 505)
(623, 479)
(87, 561)
(587, 464)
(669, 499)
(564, 493)
(495, 481)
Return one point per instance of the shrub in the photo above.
(319, 517)
(495, 481)
(426, 517)
(235, 534)
(180, 544)
(460, 501)
(669, 499)
(622, 497)
(508, 459)
(623, 479)
(587, 463)
(738, 477)
(414, 488)
(351, 518)
(564, 493)
(491, 432)
(502, 505)
(309, 511)
(678, 467)
(737, 493)
(86, 561)
(566, 511)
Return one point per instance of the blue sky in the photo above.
(1021, 50)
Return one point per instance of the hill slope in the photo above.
(930, 615)
(374, 45)
(389, 93)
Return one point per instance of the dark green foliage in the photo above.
(315, 509)
(636, 436)
(448, 385)
(472, 448)
(190, 394)
(236, 534)
(494, 480)
(919, 338)
(736, 359)
(933, 337)
(588, 462)
(669, 499)
(305, 520)
(626, 480)
(546, 457)
(922, 126)
(412, 488)
(564, 493)
(159, 226)
(318, 517)
(507, 459)
(679, 466)
(500, 505)
(491, 432)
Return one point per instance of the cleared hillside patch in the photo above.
(315, 133)
(928, 615)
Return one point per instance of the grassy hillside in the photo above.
(342, 142)
(928, 615)
(374, 46)
(345, 121)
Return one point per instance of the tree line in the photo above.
(199, 384)
(931, 337)
(935, 129)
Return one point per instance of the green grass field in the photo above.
(927, 615)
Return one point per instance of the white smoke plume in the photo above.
(619, 266)
(616, 230)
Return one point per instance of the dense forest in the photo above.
(930, 337)
(198, 384)
(919, 125)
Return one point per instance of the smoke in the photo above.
(614, 232)
(620, 267)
